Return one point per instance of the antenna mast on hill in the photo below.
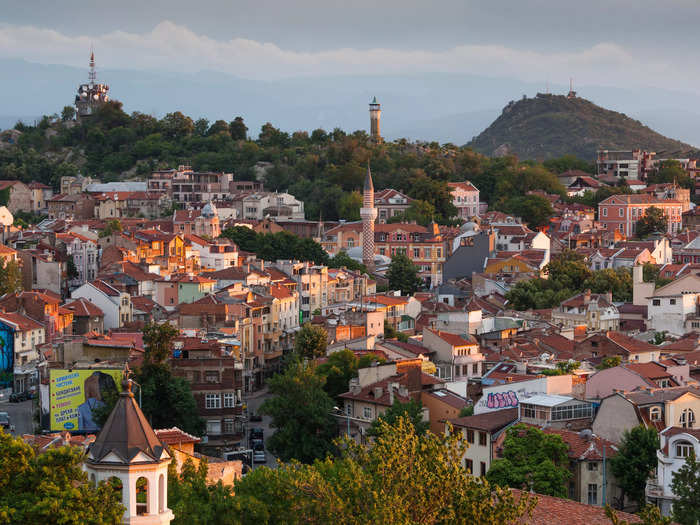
(572, 93)
(92, 75)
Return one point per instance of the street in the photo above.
(20, 416)
(253, 404)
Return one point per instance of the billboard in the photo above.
(73, 394)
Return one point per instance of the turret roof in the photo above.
(126, 436)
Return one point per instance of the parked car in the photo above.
(5, 422)
(256, 433)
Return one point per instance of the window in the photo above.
(672, 301)
(605, 212)
(683, 449)
(213, 428)
(426, 252)
(416, 253)
(592, 494)
(621, 212)
(482, 441)
(528, 411)
(229, 399)
(470, 436)
(469, 465)
(592, 466)
(228, 426)
(656, 302)
(483, 468)
(655, 414)
(211, 376)
(688, 418)
(212, 401)
(367, 412)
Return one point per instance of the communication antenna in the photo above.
(92, 75)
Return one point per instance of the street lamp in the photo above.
(347, 417)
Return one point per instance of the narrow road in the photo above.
(20, 416)
(253, 404)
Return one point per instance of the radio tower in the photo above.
(92, 75)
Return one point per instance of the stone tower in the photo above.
(369, 214)
(128, 453)
(375, 114)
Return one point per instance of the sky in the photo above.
(621, 43)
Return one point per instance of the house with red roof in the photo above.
(465, 197)
(594, 311)
(87, 317)
(656, 408)
(457, 357)
(632, 376)
(390, 203)
(116, 305)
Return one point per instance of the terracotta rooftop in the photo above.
(550, 510)
(81, 307)
(456, 340)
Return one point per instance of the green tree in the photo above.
(635, 459)
(111, 227)
(534, 209)
(158, 342)
(311, 341)
(343, 260)
(618, 281)
(411, 410)
(349, 206)
(68, 113)
(610, 362)
(685, 485)
(650, 515)
(562, 368)
(652, 221)
(193, 500)
(402, 479)
(301, 413)
(238, 129)
(403, 275)
(51, 487)
(533, 460)
(10, 277)
(467, 411)
(341, 367)
(671, 171)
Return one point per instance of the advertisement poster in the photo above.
(73, 394)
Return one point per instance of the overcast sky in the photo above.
(603, 42)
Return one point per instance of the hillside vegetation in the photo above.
(549, 126)
(325, 169)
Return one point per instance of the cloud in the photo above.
(172, 47)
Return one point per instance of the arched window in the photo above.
(655, 414)
(142, 497)
(161, 493)
(687, 418)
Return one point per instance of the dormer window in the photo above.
(655, 414)
(683, 449)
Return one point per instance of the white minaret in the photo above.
(369, 214)
(127, 451)
(375, 114)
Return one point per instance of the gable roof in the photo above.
(81, 307)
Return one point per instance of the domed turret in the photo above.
(209, 210)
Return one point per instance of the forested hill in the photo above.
(549, 126)
(325, 169)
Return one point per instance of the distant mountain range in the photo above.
(549, 126)
(427, 106)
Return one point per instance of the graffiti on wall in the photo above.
(502, 400)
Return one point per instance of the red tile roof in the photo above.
(454, 339)
(550, 510)
(489, 421)
(20, 322)
(175, 436)
(81, 307)
(629, 344)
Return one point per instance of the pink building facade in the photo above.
(621, 212)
